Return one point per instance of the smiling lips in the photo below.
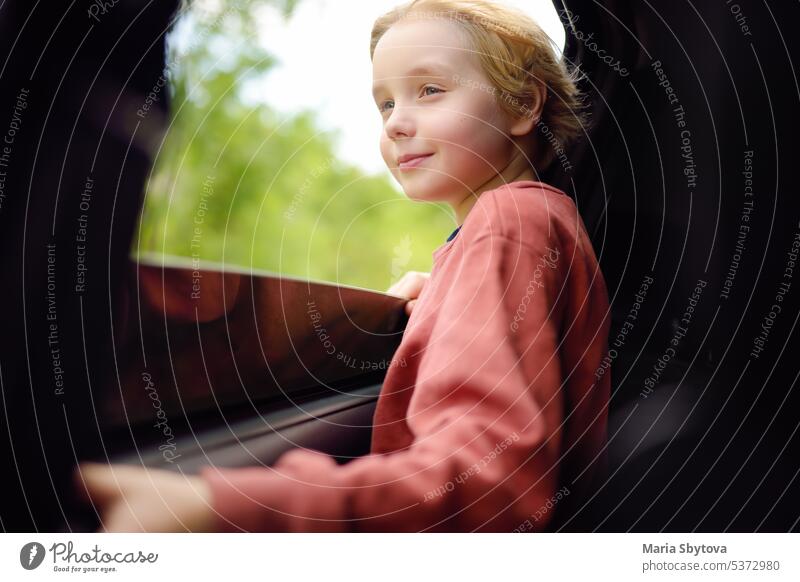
(408, 161)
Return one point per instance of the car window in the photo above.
(271, 158)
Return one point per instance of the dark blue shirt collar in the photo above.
(453, 235)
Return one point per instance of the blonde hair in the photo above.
(516, 56)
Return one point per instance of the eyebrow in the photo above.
(424, 70)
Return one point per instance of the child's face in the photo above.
(451, 112)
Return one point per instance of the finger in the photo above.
(399, 285)
(410, 306)
(121, 518)
(415, 286)
(98, 483)
(412, 286)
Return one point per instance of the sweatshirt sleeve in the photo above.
(486, 415)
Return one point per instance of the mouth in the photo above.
(411, 161)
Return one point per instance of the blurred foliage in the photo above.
(247, 185)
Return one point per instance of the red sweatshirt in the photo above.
(495, 413)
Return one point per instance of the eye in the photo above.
(382, 106)
(426, 87)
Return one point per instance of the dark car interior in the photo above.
(683, 180)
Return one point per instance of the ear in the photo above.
(531, 115)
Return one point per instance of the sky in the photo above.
(324, 66)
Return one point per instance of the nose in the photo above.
(401, 123)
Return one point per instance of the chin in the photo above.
(424, 189)
(420, 194)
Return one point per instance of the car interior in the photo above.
(703, 413)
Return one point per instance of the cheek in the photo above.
(384, 146)
(386, 151)
(475, 142)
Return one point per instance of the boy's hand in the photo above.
(410, 286)
(137, 499)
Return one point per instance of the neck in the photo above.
(517, 170)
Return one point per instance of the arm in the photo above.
(486, 413)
